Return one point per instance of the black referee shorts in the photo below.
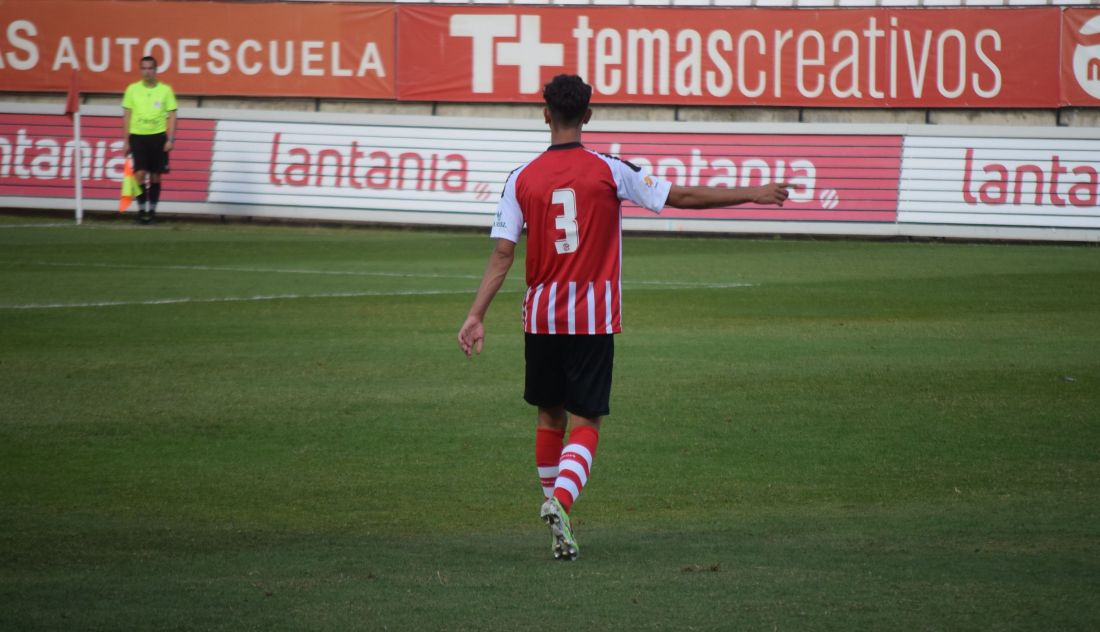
(148, 151)
(569, 371)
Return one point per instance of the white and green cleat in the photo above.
(561, 530)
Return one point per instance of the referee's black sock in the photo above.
(154, 196)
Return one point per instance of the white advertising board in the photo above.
(1035, 182)
(366, 168)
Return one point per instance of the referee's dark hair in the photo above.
(152, 59)
(567, 98)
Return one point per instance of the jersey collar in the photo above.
(565, 146)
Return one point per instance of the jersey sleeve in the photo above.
(644, 189)
(509, 218)
(128, 99)
(170, 99)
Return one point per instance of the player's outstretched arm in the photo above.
(471, 336)
(718, 197)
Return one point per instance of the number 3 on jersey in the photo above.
(567, 221)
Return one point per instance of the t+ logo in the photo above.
(529, 53)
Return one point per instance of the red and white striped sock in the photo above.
(575, 464)
(548, 443)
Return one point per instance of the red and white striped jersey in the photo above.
(569, 198)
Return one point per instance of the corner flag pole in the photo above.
(78, 170)
(72, 110)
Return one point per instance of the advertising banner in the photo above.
(37, 157)
(863, 58)
(1001, 181)
(833, 178)
(1081, 57)
(204, 48)
(972, 58)
(391, 168)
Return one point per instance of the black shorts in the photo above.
(148, 151)
(569, 371)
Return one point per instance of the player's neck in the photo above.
(561, 136)
(149, 83)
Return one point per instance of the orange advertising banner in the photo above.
(1081, 57)
(204, 48)
(882, 57)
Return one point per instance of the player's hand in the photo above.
(772, 193)
(168, 145)
(471, 336)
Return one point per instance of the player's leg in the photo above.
(544, 387)
(549, 437)
(549, 440)
(576, 460)
(573, 469)
(586, 362)
(588, 392)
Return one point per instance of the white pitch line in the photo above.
(648, 285)
(686, 285)
(232, 299)
(280, 297)
(411, 275)
(415, 275)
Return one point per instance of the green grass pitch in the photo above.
(260, 427)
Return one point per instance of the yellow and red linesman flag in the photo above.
(130, 187)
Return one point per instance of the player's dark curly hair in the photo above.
(567, 97)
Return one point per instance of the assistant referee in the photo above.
(149, 132)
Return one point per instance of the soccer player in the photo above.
(149, 133)
(569, 198)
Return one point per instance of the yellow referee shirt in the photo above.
(149, 107)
